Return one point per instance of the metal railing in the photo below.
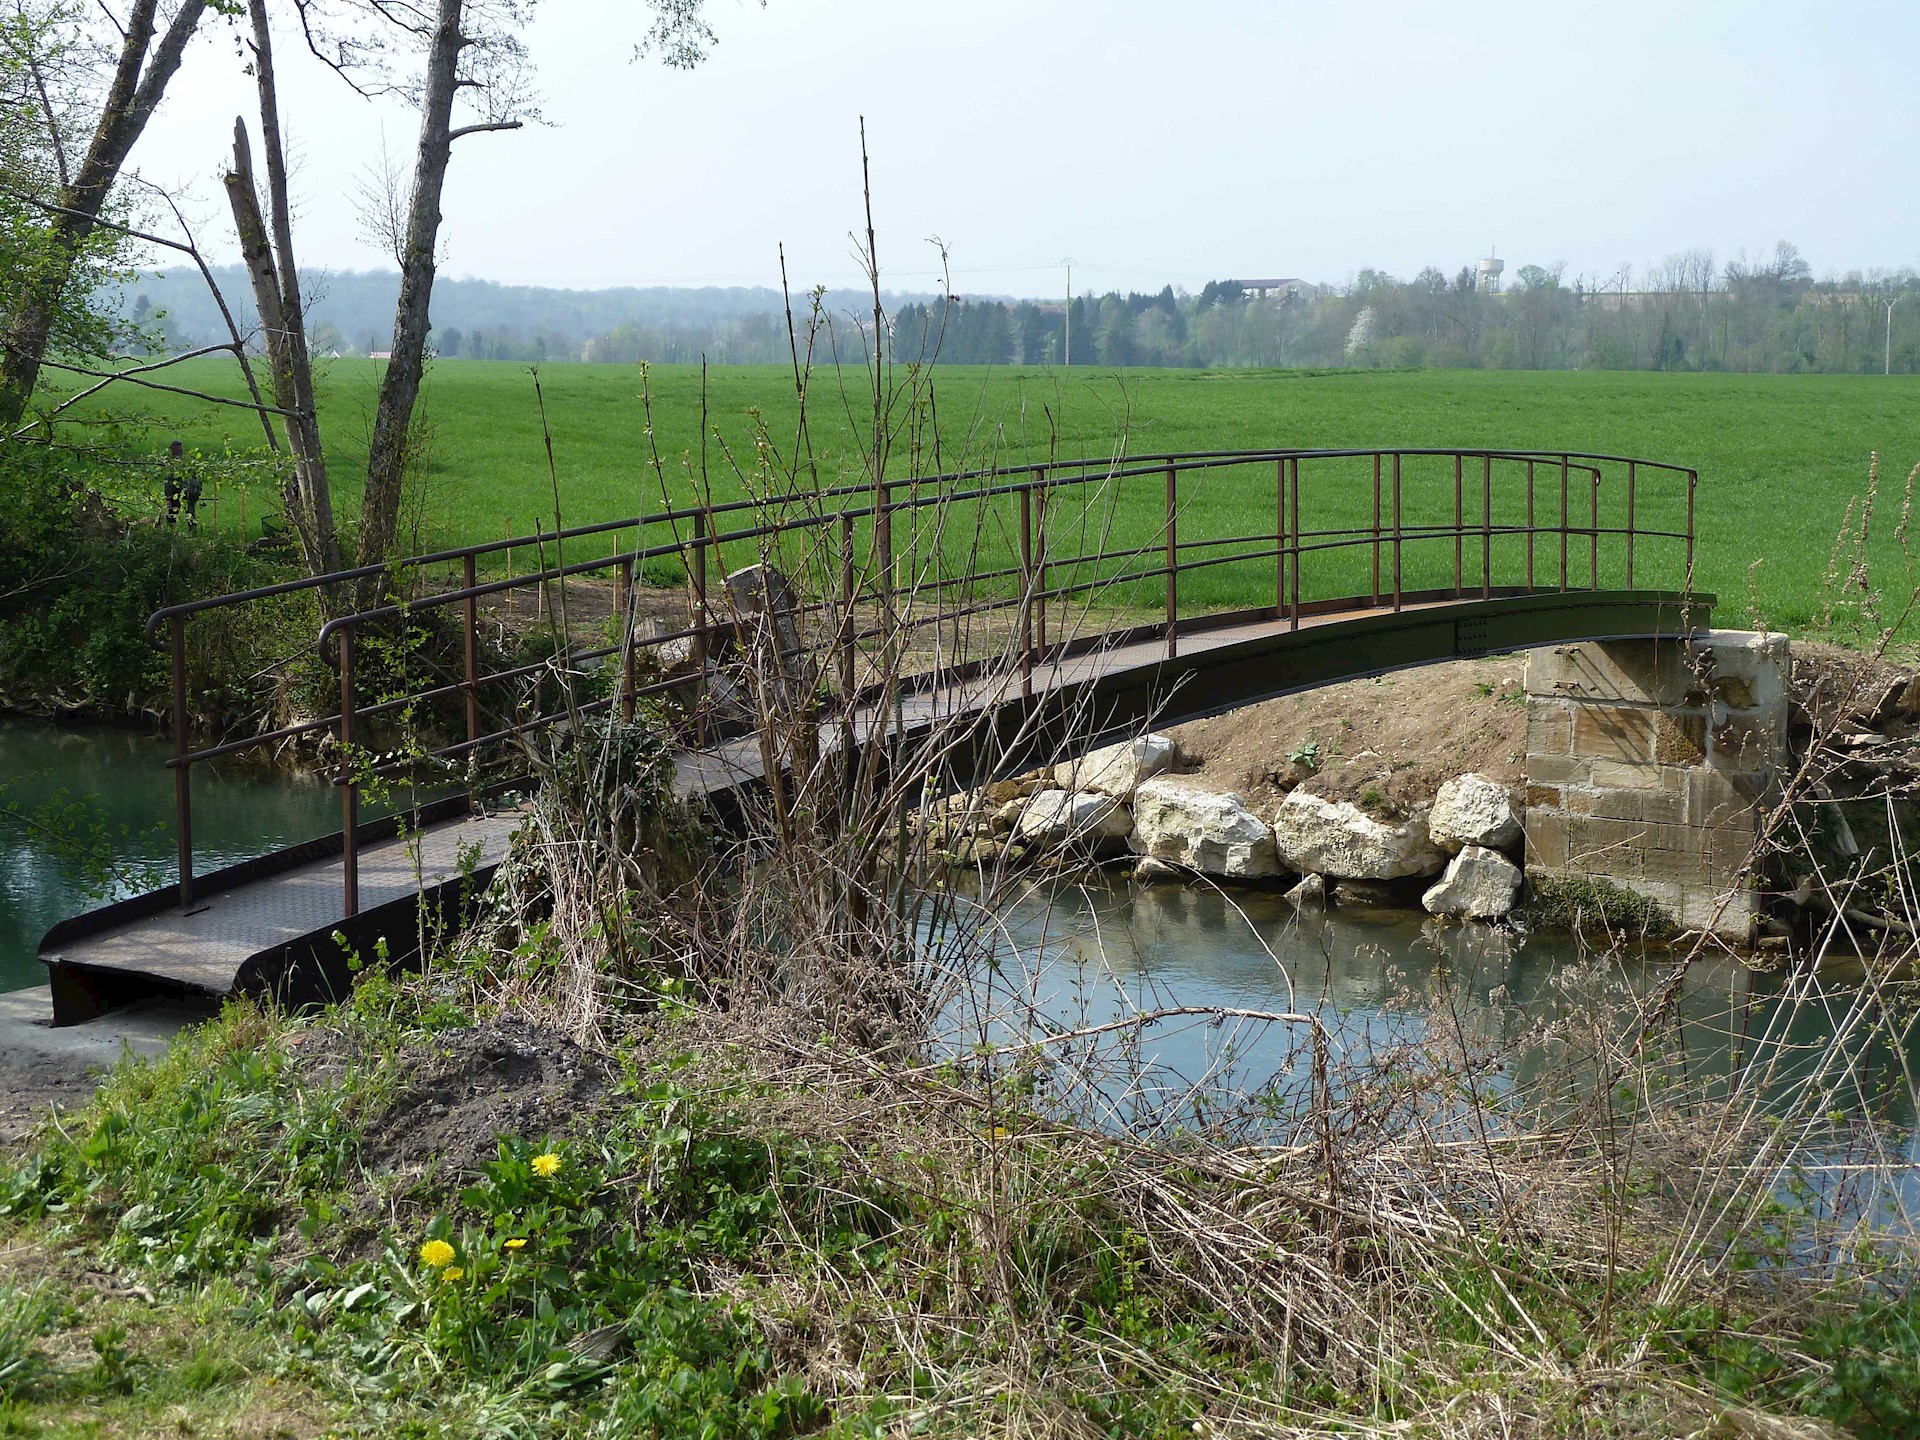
(1402, 507)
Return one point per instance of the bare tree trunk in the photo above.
(276, 291)
(138, 84)
(400, 386)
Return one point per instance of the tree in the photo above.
(266, 244)
(40, 295)
(470, 53)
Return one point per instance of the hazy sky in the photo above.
(1152, 142)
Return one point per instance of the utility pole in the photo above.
(1068, 262)
(1890, 304)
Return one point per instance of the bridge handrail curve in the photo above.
(1135, 466)
(1285, 542)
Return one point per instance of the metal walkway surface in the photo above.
(245, 936)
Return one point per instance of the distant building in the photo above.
(1278, 291)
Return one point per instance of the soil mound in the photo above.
(454, 1096)
(1390, 742)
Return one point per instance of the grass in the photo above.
(1780, 457)
(801, 1242)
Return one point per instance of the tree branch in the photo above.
(53, 123)
(189, 249)
(112, 18)
(220, 300)
(480, 128)
(99, 385)
(169, 389)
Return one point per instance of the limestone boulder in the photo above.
(1480, 884)
(1200, 830)
(1341, 841)
(1119, 769)
(1311, 891)
(1473, 810)
(1054, 818)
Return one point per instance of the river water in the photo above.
(1086, 956)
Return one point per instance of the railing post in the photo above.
(1564, 521)
(1293, 484)
(1486, 526)
(1594, 560)
(1693, 483)
(1040, 563)
(182, 771)
(1026, 589)
(350, 791)
(471, 647)
(628, 646)
(1280, 539)
(1173, 567)
(1530, 525)
(1376, 529)
(1632, 485)
(1459, 521)
(1396, 531)
(699, 569)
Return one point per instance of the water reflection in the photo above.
(1529, 1016)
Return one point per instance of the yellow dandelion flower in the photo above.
(436, 1253)
(451, 1273)
(546, 1166)
(516, 1244)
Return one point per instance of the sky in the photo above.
(1150, 143)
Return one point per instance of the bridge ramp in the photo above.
(239, 938)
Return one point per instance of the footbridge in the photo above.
(946, 629)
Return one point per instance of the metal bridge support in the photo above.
(1650, 764)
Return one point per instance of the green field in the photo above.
(1780, 457)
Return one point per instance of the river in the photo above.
(1088, 956)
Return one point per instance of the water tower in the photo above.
(1489, 273)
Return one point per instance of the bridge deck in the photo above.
(209, 948)
(205, 948)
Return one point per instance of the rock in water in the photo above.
(1213, 834)
(1312, 890)
(1334, 838)
(1480, 884)
(1057, 817)
(1149, 870)
(1367, 895)
(1473, 810)
(1118, 769)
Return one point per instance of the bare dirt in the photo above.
(32, 1087)
(1389, 742)
(455, 1096)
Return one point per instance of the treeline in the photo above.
(351, 313)
(1689, 313)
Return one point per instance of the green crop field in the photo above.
(1781, 458)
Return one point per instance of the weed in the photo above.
(1581, 902)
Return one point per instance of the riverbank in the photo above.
(44, 1071)
(1721, 787)
(405, 1217)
